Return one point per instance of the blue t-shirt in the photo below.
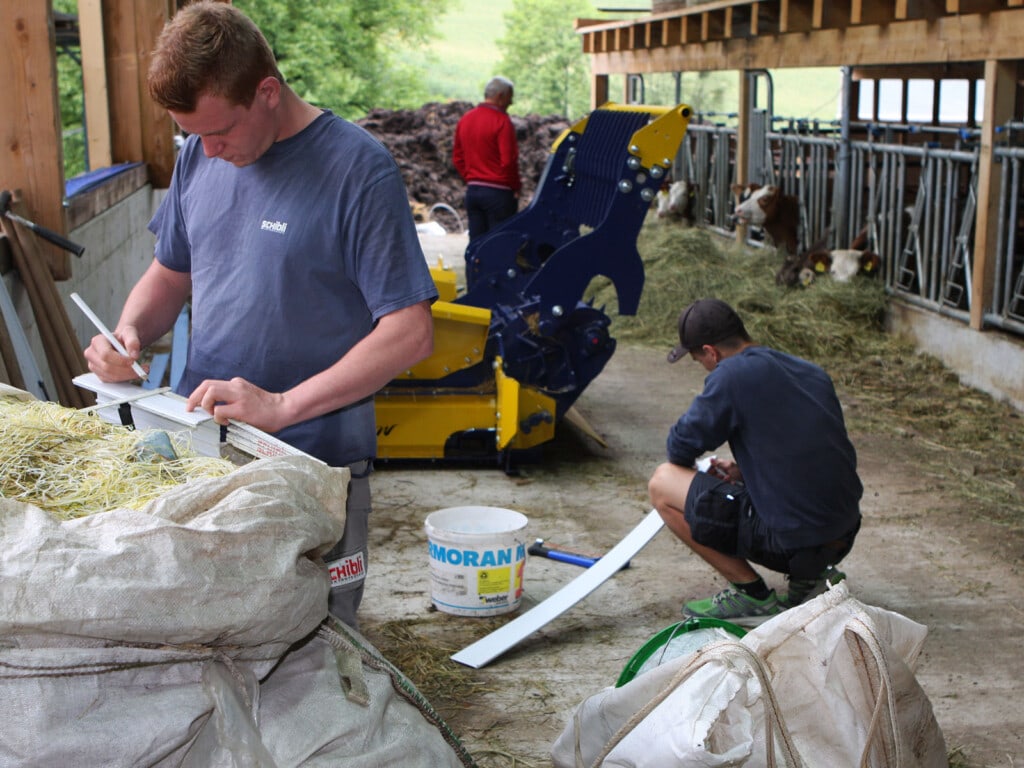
(785, 428)
(293, 259)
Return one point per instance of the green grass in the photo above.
(465, 55)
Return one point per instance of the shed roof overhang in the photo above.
(770, 34)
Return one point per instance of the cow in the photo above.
(678, 201)
(771, 210)
(841, 264)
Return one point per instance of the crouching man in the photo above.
(789, 501)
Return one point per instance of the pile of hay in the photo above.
(821, 323)
(73, 464)
(886, 386)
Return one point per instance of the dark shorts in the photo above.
(721, 516)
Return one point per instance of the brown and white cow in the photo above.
(677, 201)
(841, 264)
(771, 210)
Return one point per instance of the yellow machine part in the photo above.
(655, 143)
(444, 280)
(460, 337)
(525, 417)
(417, 424)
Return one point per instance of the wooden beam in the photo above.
(742, 158)
(123, 80)
(142, 130)
(713, 25)
(795, 16)
(945, 71)
(1000, 94)
(598, 91)
(919, 9)
(86, 205)
(766, 19)
(157, 127)
(32, 154)
(832, 14)
(692, 28)
(742, 21)
(672, 32)
(94, 83)
(63, 351)
(963, 38)
(974, 6)
(872, 11)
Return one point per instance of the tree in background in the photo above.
(337, 54)
(702, 91)
(69, 90)
(340, 54)
(543, 56)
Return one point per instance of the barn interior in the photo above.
(939, 193)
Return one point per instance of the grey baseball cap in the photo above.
(706, 321)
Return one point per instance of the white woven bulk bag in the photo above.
(137, 638)
(829, 683)
(230, 561)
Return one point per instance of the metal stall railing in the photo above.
(917, 204)
(705, 160)
(921, 205)
(1007, 308)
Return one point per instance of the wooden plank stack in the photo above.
(60, 343)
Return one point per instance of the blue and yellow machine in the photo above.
(516, 349)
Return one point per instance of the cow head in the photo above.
(677, 201)
(755, 204)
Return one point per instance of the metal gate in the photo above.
(917, 203)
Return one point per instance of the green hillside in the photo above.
(465, 56)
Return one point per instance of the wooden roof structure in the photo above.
(769, 34)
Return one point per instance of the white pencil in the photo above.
(106, 333)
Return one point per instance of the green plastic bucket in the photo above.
(680, 639)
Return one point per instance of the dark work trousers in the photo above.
(488, 206)
(347, 562)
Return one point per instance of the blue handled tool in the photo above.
(573, 558)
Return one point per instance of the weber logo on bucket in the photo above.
(347, 570)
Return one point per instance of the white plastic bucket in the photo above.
(477, 556)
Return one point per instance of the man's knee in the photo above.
(669, 485)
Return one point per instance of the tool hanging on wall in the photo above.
(60, 342)
(43, 232)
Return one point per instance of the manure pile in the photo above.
(420, 140)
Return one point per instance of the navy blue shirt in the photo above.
(784, 426)
(293, 259)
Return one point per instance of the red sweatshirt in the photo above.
(485, 149)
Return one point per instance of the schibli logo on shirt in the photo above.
(347, 570)
(274, 226)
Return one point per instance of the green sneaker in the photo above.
(802, 590)
(736, 607)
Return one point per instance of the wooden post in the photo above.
(598, 90)
(94, 81)
(743, 143)
(1000, 92)
(31, 148)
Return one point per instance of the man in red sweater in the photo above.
(486, 155)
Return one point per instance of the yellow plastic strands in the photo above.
(73, 464)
